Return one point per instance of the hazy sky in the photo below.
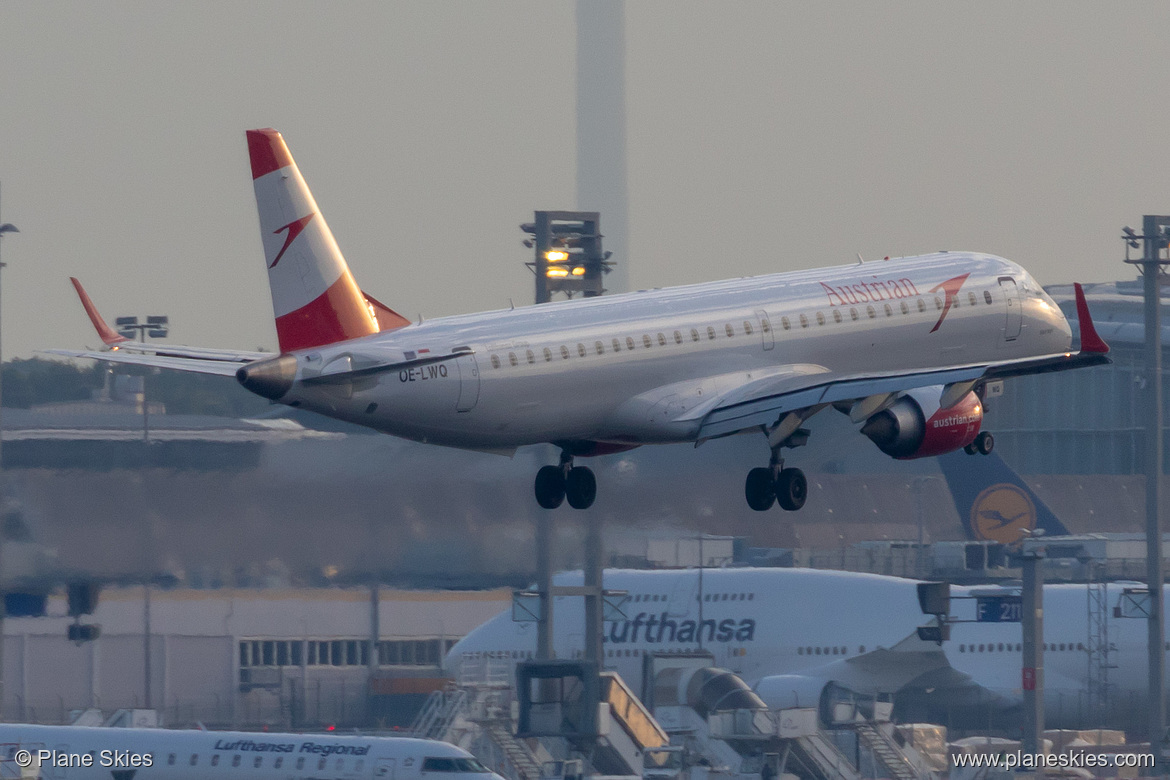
(762, 137)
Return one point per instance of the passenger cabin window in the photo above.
(321, 764)
(301, 762)
(747, 328)
(597, 345)
(677, 337)
(820, 318)
(889, 311)
(171, 759)
(278, 763)
(836, 316)
(194, 759)
(905, 307)
(661, 340)
(646, 340)
(710, 333)
(694, 335)
(564, 352)
(495, 361)
(938, 303)
(512, 358)
(987, 297)
(629, 343)
(531, 357)
(730, 331)
(547, 355)
(803, 321)
(259, 760)
(971, 298)
(870, 312)
(617, 346)
(921, 305)
(853, 314)
(784, 323)
(215, 760)
(236, 760)
(581, 350)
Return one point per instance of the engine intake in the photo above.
(915, 427)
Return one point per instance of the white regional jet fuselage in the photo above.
(623, 369)
(73, 752)
(794, 633)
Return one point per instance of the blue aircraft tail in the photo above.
(993, 502)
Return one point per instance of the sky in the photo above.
(761, 137)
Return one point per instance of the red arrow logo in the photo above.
(951, 288)
(294, 229)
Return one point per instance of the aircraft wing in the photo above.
(202, 360)
(168, 360)
(761, 402)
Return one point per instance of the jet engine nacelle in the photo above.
(915, 427)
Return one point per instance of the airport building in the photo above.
(279, 658)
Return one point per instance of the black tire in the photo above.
(550, 487)
(758, 489)
(984, 443)
(581, 487)
(970, 449)
(791, 489)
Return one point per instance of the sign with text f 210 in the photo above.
(998, 609)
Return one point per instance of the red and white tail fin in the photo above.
(314, 296)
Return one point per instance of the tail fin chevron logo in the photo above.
(951, 290)
(294, 229)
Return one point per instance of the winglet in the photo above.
(105, 332)
(1090, 341)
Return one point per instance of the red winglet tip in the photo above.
(107, 334)
(267, 151)
(1090, 341)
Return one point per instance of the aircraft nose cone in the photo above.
(269, 378)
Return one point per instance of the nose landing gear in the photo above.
(556, 483)
(983, 444)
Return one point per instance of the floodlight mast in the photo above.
(5, 228)
(1155, 231)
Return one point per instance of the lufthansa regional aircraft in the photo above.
(801, 637)
(903, 347)
(84, 752)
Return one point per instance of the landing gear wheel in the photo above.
(550, 486)
(984, 443)
(791, 489)
(758, 489)
(580, 487)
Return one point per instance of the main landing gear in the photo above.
(983, 444)
(556, 483)
(776, 485)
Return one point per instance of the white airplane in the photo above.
(801, 636)
(87, 752)
(903, 347)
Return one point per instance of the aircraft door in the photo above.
(384, 769)
(765, 330)
(1011, 294)
(468, 382)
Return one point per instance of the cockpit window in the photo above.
(453, 765)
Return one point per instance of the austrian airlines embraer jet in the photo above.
(802, 636)
(903, 347)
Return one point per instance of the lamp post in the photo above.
(5, 228)
(156, 326)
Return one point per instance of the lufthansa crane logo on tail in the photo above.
(294, 229)
(1002, 513)
(951, 290)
